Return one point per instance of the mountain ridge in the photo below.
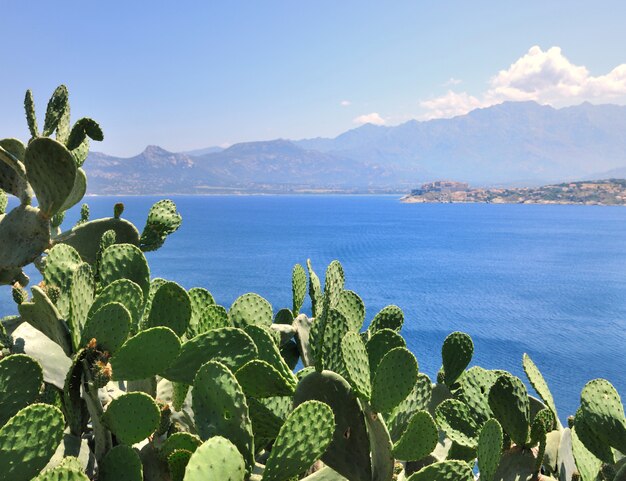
(521, 143)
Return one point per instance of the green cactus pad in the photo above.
(395, 378)
(4, 202)
(171, 308)
(61, 264)
(62, 473)
(352, 307)
(213, 317)
(132, 417)
(509, 402)
(489, 448)
(31, 117)
(229, 345)
(28, 441)
(302, 439)
(265, 422)
(298, 288)
(380, 344)
(333, 283)
(163, 220)
(13, 172)
(349, 452)
(43, 316)
(250, 309)
(336, 327)
(220, 408)
(85, 238)
(586, 463)
(109, 326)
(538, 383)
(454, 418)
(125, 261)
(216, 459)
(593, 443)
(268, 351)
(82, 129)
(444, 471)
(389, 317)
(57, 106)
(604, 413)
(146, 354)
(199, 299)
(475, 386)
(78, 190)
(187, 441)
(81, 297)
(456, 353)
(177, 463)
(315, 290)
(51, 172)
(259, 379)
(419, 439)
(81, 152)
(124, 291)
(122, 463)
(28, 234)
(417, 400)
(357, 364)
(21, 378)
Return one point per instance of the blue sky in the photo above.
(187, 75)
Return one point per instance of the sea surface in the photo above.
(549, 280)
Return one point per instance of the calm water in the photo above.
(547, 280)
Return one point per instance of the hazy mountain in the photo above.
(521, 143)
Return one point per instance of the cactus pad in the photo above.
(132, 417)
(604, 413)
(62, 473)
(586, 463)
(259, 379)
(81, 297)
(454, 418)
(352, 307)
(27, 232)
(349, 452)
(220, 408)
(444, 471)
(315, 290)
(489, 448)
(146, 354)
(456, 353)
(216, 459)
(186, 441)
(475, 385)
(109, 326)
(21, 378)
(121, 463)
(298, 288)
(28, 441)
(229, 345)
(538, 383)
(125, 261)
(389, 317)
(395, 378)
(509, 402)
(163, 220)
(199, 299)
(357, 364)
(380, 344)
(250, 309)
(51, 172)
(57, 106)
(124, 291)
(302, 439)
(417, 400)
(419, 439)
(171, 308)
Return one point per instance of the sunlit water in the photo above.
(547, 280)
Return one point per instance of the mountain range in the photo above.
(513, 144)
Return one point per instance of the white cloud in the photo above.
(373, 118)
(345, 103)
(547, 77)
(452, 81)
(450, 105)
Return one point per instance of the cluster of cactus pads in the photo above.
(110, 374)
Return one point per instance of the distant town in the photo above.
(593, 192)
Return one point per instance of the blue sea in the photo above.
(548, 280)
